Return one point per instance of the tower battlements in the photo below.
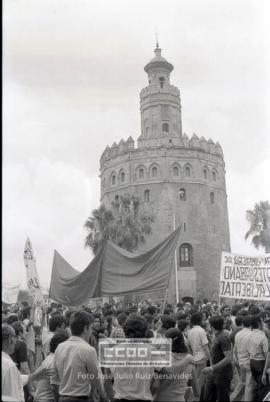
(208, 148)
(152, 89)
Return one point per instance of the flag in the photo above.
(32, 275)
(114, 272)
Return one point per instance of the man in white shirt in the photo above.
(12, 381)
(56, 322)
(258, 350)
(199, 344)
(76, 363)
(244, 389)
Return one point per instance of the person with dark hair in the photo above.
(135, 327)
(56, 322)
(149, 319)
(253, 310)
(151, 310)
(118, 332)
(220, 373)
(97, 330)
(76, 363)
(244, 388)
(182, 325)
(145, 304)
(174, 379)
(165, 322)
(46, 389)
(133, 383)
(108, 324)
(167, 311)
(199, 345)
(20, 356)
(238, 327)
(12, 318)
(243, 312)
(225, 311)
(258, 350)
(67, 315)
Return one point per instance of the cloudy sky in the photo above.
(73, 70)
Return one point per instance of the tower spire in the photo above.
(157, 45)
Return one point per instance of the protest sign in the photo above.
(243, 277)
(32, 275)
(10, 293)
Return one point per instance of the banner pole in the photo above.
(165, 299)
(175, 262)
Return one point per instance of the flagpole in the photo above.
(165, 300)
(175, 262)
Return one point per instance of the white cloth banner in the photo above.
(243, 277)
(32, 275)
(10, 293)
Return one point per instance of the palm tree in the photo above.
(126, 224)
(259, 219)
(100, 227)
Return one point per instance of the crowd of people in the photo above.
(218, 353)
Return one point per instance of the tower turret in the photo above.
(160, 105)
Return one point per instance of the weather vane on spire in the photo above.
(157, 45)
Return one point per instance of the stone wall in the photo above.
(204, 219)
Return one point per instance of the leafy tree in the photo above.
(126, 224)
(259, 230)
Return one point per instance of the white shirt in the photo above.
(12, 380)
(46, 344)
(197, 339)
(258, 345)
(241, 346)
(133, 382)
(75, 361)
(43, 391)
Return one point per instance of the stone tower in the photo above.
(181, 180)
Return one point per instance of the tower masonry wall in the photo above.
(157, 175)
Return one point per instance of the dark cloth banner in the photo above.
(113, 272)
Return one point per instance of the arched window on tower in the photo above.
(165, 127)
(123, 177)
(154, 171)
(205, 173)
(214, 176)
(186, 255)
(182, 194)
(187, 171)
(161, 81)
(113, 180)
(212, 197)
(176, 171)
(141, 173)
(147, 195)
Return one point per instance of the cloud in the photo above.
(49, 202)
(243, 192)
